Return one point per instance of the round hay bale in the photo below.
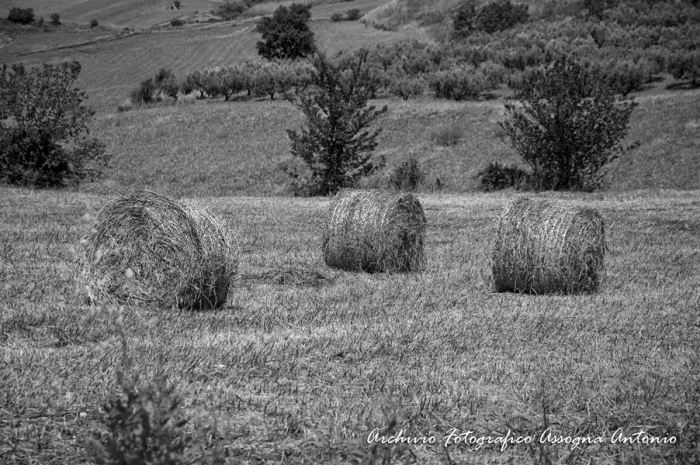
(374, 231)
(145, 248)
(547, 247)
(220, 270)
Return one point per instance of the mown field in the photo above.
(303, 374)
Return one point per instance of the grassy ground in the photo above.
(304, 374)
(205, 148)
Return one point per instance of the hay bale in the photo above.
(145, 248)
(548, 247)
(374, 231)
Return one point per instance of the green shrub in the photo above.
(336, 143)
(497, 177)
(166, 84)
(459, 83)
(176, 22)
(335, 17)
(55, 19)
(144, 93)
(230, 10)
(353, 14)
(143, 425)
(490, 18)
(44, 128)
(21, 15)
(406, 86)
(568, 127)
(286, 35)
(408, 176)
(94, 23)
(686, 66)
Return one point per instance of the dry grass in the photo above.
(146, 249)
(289, 277)
(374, 231)
(302, 374)
(544, 247)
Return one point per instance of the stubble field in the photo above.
(303, 374)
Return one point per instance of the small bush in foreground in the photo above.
(335, 17)
(94, 23)
(21, 15)
(144, 425)
(44, 128)
(176, 22)
(568, 127)
(55, 19)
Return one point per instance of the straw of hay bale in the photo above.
(145, 248)
(548, 247)
(374, 231)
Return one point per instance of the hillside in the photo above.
(205, 147)
(113, 62)
(189, 148)
(135, 14)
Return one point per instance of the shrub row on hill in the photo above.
(627, 61)
(254, 78)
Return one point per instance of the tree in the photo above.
(336, 143)
(500, 15)
(230, 11)
(55, 19)
(569, 125)
(286, 35)
(686, 66)
(166, 83)
(463, 19)
(490, 18)
(44, 138)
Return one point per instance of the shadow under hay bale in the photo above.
(289, 276)
(146, 249)
(547, 247)
(374, 231)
